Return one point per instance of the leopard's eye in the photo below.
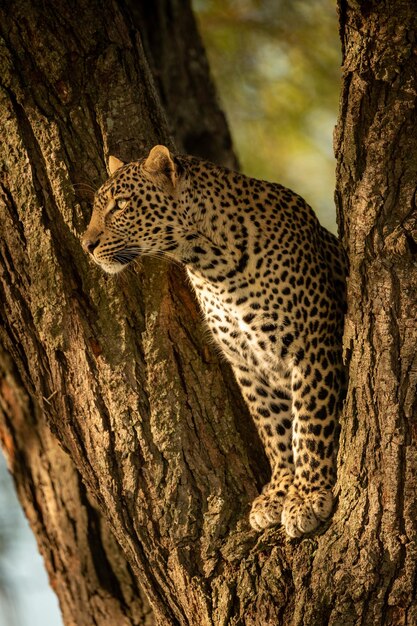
(121, 203)
(117, 204)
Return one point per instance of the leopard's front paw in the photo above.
(266, 510)
(302, 513)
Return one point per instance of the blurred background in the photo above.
(25, 596)
(276, 64)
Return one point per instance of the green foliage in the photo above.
(276, 64)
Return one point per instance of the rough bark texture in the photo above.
(161, 460)
(371, 549)
(68, 87)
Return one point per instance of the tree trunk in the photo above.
(161, 459)
(67, 88)
(364, 570)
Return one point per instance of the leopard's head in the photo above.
(137, 211)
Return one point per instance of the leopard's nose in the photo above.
(90, 245)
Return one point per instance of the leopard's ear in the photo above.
(159, 163)
(114, 164)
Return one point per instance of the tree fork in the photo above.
(120, 370)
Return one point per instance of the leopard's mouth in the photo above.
(118, 260)
(126, 256)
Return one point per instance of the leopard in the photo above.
(271, 283)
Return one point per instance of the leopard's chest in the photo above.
(246, 335)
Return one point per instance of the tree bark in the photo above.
(66, 90)
(161, 460)
(364, 571)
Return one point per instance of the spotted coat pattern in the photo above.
(270, 281)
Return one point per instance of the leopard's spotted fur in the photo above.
(270, 281)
